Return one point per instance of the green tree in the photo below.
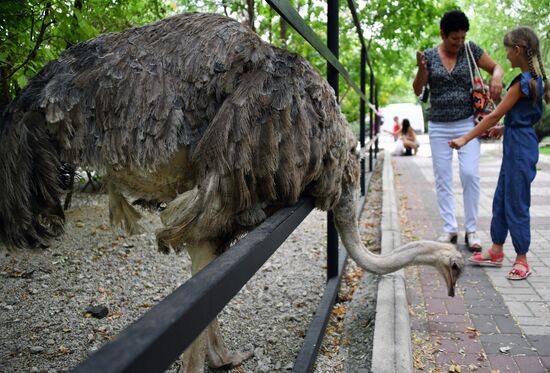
(33, 32)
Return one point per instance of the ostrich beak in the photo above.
(451, 275)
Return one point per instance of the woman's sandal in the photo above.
(495, 259)
(517, 273)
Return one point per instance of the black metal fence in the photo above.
(154, 341)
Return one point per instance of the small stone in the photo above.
(37, 349)
(50, 342)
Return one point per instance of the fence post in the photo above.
(332, 77)
(362, 116)
(377, 121)
(371, 116)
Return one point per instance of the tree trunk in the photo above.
(270, 25)
(251, 12)
(284, 27)
(5, 88)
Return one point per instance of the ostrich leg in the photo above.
(209, 344)
(217, 354)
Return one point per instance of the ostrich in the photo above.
(198, 112)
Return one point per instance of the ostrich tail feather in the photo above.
(30, 210)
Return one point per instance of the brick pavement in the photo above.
(492, 323)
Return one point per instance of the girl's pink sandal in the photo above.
(495, 259)
(517, 273)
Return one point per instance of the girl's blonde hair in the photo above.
(525, 37)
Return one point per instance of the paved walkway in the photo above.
(492, 323)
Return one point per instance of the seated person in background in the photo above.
(406, 143)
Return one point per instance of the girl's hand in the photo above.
(496, 132)
(457, 143)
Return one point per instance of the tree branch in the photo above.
(37, 44)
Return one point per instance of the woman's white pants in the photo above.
(468, 160)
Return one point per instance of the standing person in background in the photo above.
(396, 128)
(445, 69)
(523, 108)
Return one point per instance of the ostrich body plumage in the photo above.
(223, 125)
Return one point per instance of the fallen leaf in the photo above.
(455, 368)
(339, 311)
(473, 367)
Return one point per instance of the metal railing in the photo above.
(154, 341)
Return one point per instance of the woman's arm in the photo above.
(512, 96)
(421, 78)
(495, 84)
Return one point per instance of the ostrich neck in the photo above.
(379, 264)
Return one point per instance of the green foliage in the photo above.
(33, 32)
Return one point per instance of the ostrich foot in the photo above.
(229, 360)
(218, 355)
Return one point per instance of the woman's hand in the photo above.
(496, 132)
(457, 143)
(495, 87)
(421, 61)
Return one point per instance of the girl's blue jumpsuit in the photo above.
(518, 169)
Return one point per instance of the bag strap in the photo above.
(477, 72)
(469, 59)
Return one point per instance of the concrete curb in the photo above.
(392, 348)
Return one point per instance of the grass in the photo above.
(544, 150)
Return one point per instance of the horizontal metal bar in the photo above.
(353, 10)
(367, 146)
(291, 16)
(154, 341)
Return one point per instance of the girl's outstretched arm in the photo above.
(512, 96)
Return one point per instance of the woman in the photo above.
(444, 69)
(406, 143)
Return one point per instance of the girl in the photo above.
(523, 108)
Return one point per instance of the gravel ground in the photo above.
(45, 293)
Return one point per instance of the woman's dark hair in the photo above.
(454, 20)
(405, 125)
